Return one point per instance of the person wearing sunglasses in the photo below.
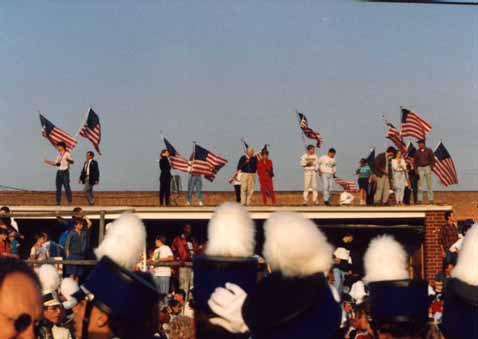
(49, 327)
(20, 299)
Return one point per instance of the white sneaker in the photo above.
(188, 203)
(200, 203)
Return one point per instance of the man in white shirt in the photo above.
(327, 170)
(62, 162)
(310, 162)
(162, 275)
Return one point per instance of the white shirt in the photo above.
(63, 161)
(327, 164)
(310, 162)
(87, 168)
(162, 252)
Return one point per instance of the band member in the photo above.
(62, 162)
(90, 176)
(310, 162)
(265, 172)
(248, 167)
(164, 179)
(327, 170)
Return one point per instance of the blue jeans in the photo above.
(162, 284)
(339, 277)
(194, 183)
(327, 184)
(63, 179)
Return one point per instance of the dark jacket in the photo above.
(247, 166)
(380, 165)
(94, 173)
(165, 168)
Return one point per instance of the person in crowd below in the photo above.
(448, 235)
(37, 251)
(399, 177)
(424, 161)
(248, 167)
(62, 162)
(20, 299)
(327, 170)
(76, 248)
(165, 179)
(412, 189)
(236, 182)
(181, 327)
(5, 244)
(310, 162)
(162, 275)
(364, 172)
(14, 243)
(194, 184)
(465, 227)
(10, 222)
(383, 171)
(90, 176)
(361, 324)
(265, 172)
(184, 247)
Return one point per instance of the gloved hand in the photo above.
(227, 304)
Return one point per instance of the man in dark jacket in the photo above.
(90, 176)
(383, 169)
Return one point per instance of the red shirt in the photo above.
(4, 247)
(180, 248)
(264, 169)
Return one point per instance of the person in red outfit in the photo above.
(265, 171)
(184, 247)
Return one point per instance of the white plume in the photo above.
(49, 278)
(295, 246)
(467, 266)
(385, 260)
(231, 232)
(124, 241)
(67, 289)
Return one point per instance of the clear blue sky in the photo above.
(216, 71)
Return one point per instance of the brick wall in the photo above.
(464, 203)
(433, 255)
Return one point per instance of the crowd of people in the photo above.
(174, 286)
(388, 173)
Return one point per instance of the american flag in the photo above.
(176, 159)
(348, 186)
(413, 125)
(206, 163)
(444, 166)
(258, 155)
(309, 132)
(91, 130)
(394, 135)
(56, 135)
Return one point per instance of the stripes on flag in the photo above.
(309, 132)
(55, 135)
(444, 166)
(176, 160)
(91, 130)
(206, 163)
(413, 126)
(348, 186)
(394, 135)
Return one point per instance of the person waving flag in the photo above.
(307, 131)
(56, 135)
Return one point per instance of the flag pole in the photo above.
(301, 132)
(84, 122)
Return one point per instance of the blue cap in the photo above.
(119, 292)
(460, 310)
(399, 302)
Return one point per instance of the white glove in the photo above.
(227, 304)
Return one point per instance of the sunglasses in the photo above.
(21, 323)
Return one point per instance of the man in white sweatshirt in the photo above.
(310, 162)
(327, 170)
